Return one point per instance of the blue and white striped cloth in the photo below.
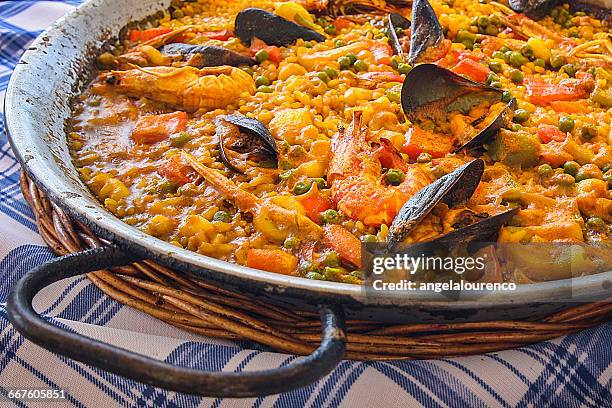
(575, 371)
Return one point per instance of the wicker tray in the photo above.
(192, 304)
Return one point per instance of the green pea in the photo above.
(330, 216)
(424, 158)
(495, 67)
(368, 238)
(286, 175)
(492, 78)
(352, 58)
(265, 89)
(491, 30)
(166, 187)
(331, 259)
(497, 84)
(569, 69)
(222, 216)
(506, 96)
(571, 168)
(330, 29)
(262, 55)
(545, 170)
(464, 35)
(521, 116)
(483, 21)
(516, 59)
(588, 132)
(320, 182)
(607, 177)
(504, 49)
(403, 68)
(596, 224)
(469, 44)
(399, 31)
(394, 176)
(345, 62)
(395, 61)
(360, 65)
(179, 139)
(307, 44)
(178, 14)
(323, 77)
(301, 187)
(262, 80)
(589, 171)
(566, 124)
(527, 51)
(517, 77)
(332, 73)
(339, 43)
(291, 242)
(499, 55)
(248, 70)
(333, 274)
(515, 127)
(539, 62)
(556, 61)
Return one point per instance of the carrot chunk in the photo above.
(153, 128)
(146, 35)
(176, 170)
(314, 203)
(272, 260)
(420, 141)
(475, 70)
(344, 243)
(547, 133)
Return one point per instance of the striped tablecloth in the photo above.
(575, 371)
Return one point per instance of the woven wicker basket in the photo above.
(199, 307)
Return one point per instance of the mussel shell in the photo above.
(270, 28)
(210, 55)
(485, 230)
(452, 189)
(395, 20)
(488, 133)
(426, 31)
(252, 128)
(428, 87)
(537, 9)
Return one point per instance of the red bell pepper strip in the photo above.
(543, 92)
(314, 203)
(389, 157)
(153, 128)
(273, 52)
(475, 70)
(344, 243)
(381, 76)
(341, 23)
(548, 133)
(222, 35)
(381, 52)
(146, 35)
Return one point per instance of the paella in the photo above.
(284, 135)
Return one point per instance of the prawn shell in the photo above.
(252, 128)
(426, 31)
(395, 20)
(270, 28)
(429, 88)
(210, 55)
(452, 189)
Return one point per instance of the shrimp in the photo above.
(186, 88)
(354, 173)
(147, 53)
(270, 219)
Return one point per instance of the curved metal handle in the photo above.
(151, 371)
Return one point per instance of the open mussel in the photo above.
(247, 137)
(427, 42)
(433, 92)
(271, 28)
(396, 25)
(537, 9)
(206, 55)
(452, 189)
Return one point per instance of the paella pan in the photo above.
(281, 136)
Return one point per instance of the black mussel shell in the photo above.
(395, 21)
(252, 137)
(485, 229)
(270, 28)
(452, 189)
(426, 31)
(207, 55)
(430, 90)
(537, 9)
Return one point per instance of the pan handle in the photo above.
(151, 371)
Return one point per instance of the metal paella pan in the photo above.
(58, 69)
